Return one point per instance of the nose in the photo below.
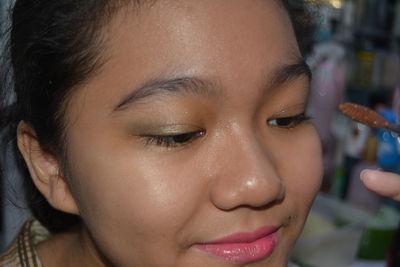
(247, 176)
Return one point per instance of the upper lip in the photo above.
(246, 237)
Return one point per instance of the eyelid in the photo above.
(291, 121)
(162, 130)
(291, 110)
(168, 142)
(171, 134)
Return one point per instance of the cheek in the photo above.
(306, 172)
(302, 167)
(130, 184)
(138, 193)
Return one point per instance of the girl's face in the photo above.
(190, 146)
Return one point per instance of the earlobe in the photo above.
(44, 168)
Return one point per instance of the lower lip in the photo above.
(243, 252)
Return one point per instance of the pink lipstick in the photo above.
(244, 247)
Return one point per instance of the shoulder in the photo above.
(21, 251)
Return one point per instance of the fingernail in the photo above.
(362, 174)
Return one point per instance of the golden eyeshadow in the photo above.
(160, 129)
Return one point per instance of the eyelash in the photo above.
(181, 139)
(176, 140)
(289, 122)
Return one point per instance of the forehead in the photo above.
(227, 41)
(178, 31)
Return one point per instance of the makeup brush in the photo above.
(367, 116)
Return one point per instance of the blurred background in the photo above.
(354, 56)
(13, 210)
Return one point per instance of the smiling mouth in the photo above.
(244, 247)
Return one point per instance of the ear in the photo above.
(45, 170)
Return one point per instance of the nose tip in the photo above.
(251, 181)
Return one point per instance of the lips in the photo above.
(244, 247)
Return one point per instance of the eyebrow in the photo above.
(290, 72)
(197, 86)
(191, 85)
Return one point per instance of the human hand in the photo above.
(383, 183)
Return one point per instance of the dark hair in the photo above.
(53, 47)
(302, 22)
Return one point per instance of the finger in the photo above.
(383, 183)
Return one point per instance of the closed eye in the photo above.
(174, 140)
(288, 122)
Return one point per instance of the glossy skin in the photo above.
(146, 202)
